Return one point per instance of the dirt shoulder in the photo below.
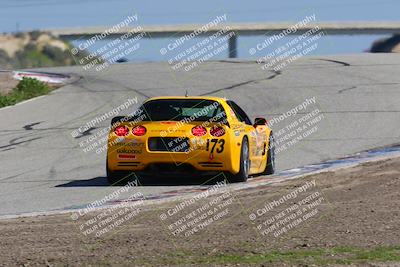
(337, 218)
(7, 83)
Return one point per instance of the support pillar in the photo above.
(233, 46)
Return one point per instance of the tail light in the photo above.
(217, 131)
(199, 131)
(121, 131)
(139, 130)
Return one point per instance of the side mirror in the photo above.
(260, 122)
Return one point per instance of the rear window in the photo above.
(183, 109)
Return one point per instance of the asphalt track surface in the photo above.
(43, 168)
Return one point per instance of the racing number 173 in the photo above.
(213, 144)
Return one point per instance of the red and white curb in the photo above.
(41, 76)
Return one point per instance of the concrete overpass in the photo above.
(240, 29)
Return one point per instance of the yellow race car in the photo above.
(189, 135)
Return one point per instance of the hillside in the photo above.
(32, 50)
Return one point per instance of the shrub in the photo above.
(27, 88)
(35, 35)
(54, 53)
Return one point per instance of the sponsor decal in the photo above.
(130, 144)
(129, 151)
(260, 128)
(133, 143)
(126, 156)
(161, 131)
(232, 113)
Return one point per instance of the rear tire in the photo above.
(270, 167)
(243, 173)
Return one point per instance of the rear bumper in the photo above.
(175, 170)
(136, 156)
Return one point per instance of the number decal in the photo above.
(214, 141)
(221, 143)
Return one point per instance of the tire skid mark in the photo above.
(344, 64)
(28, 127)
(124, 86)
(237, 85)
(13, 142)
(347, 89)
(14, 176)
(87, 132)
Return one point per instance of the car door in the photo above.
(255, 157)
